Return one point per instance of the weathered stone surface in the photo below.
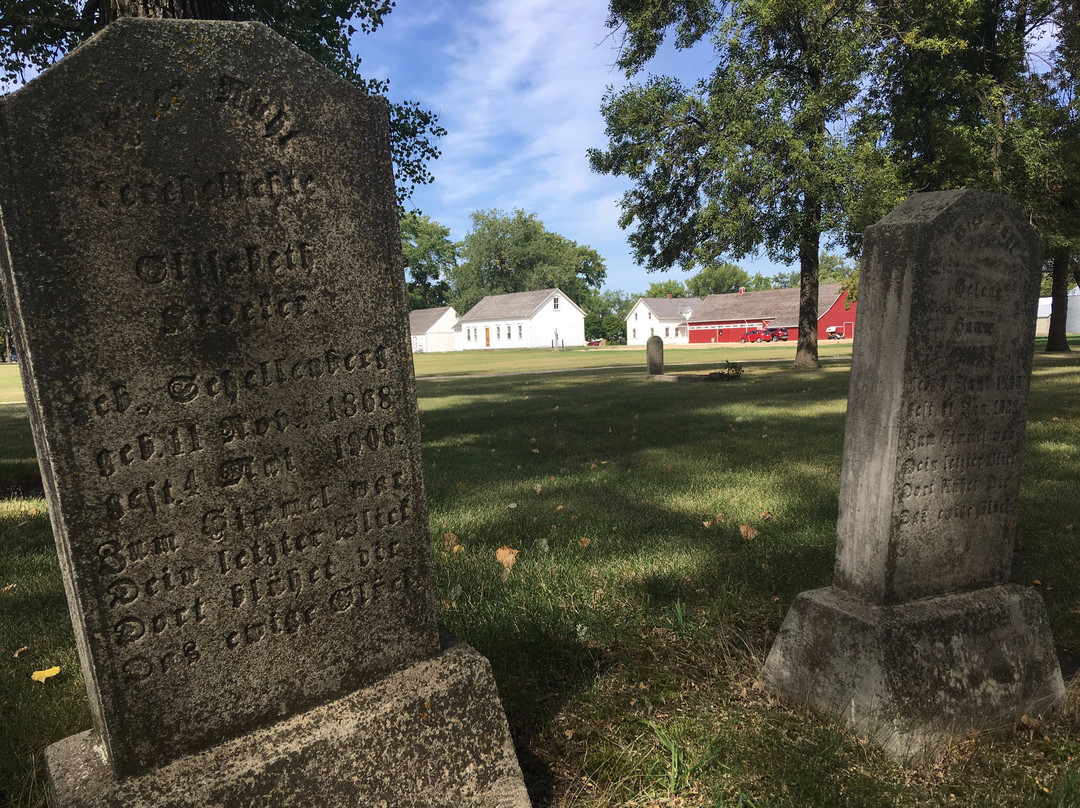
(938, 398)
(654, 356)
(915, 675)
(919, 636)
(433, 735)
(203, 266)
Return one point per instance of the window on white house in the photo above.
(497, 332)
(667, 332)
(555, 305)
(468, 335)
(652, 332)
(633, 333)
(508, 330)
(519, 331)
(635, 315)
(648, 314)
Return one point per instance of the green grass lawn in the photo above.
(627, 638)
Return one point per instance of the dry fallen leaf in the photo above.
(539, 488)
(457, 548)
(721, 518)
(507, 556)
(559, 508)
(536, 451)
(449, 540)
(583, 542)
(41, 676)
(766, 514)
(19, 651)
(1036, 582)
(7, 589)
(747, 531)
(707, 523)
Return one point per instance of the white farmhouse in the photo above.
(433, 329)
(542, 319)
(664, 317)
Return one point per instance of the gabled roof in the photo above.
(777, 305)
(421, 320)
(513, 304)
(670, 308)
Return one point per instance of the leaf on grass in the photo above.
(41, 676)
(559, 508)
(536, 451)
(19, 651)
(7, 589)
(747, 531)
(1036, 582)
(539, 488)
(511, 505)
(449, 540)
(707, 522)
(583, 542)
(766, 514)
(457, 548)
(721, 518)
(507, 556)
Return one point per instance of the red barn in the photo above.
(726, 318)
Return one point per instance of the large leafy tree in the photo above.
(973, 93)
(430, 256)
(754, 156)
(34, 33)
(514, 252)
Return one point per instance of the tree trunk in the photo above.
(1059, 297)
(806, 355)
(162, 9)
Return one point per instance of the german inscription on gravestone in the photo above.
(202, 257)
(939, 488)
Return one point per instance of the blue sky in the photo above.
(518, 84)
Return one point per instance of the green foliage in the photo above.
(429, 256)
(35, 33)
(666, 287)
(834, 268)
(717, 279)
(513, 252)
(756, 155)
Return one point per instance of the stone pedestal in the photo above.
(921, 637)
(432, 735)
(915, 675)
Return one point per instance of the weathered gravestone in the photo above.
(921, 636)
(203, 267)
(654, 356)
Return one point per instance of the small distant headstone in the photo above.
(921, 637)
(654, 356)
(203, 267)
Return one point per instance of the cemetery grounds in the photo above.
(623, 551)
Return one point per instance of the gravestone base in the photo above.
(912, 676)
(431, 736)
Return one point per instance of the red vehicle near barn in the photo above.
(729, 318)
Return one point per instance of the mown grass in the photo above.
(525, 361)
(628, 636)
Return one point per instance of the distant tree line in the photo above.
(513, 252)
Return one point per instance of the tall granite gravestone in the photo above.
(654, 356)
(202, 262)
(921, 636)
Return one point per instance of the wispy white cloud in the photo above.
(518, 86)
